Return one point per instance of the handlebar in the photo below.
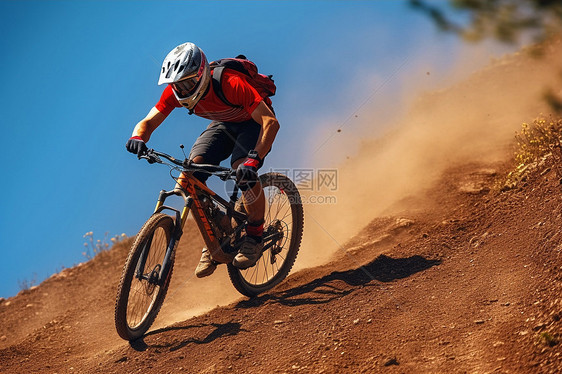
(153, 156)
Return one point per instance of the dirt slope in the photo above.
(470, 283)
(457, 278)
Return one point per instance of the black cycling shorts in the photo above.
(223, 139)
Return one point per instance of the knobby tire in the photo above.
(139, 295)
(284, 208)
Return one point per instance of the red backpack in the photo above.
(262, 83)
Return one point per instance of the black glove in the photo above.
(136, 145)
(247, 173)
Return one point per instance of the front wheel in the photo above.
(283, 228)
(141, 291)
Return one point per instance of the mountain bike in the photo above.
(148, 268)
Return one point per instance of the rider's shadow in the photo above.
(335, 285)
(220, 330)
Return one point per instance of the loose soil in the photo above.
(468, 282)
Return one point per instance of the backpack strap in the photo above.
(217, 87)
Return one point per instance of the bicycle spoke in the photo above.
(143, 293)
(285, 216)
(269, 205)
(283, 227)
(140, 302)
(137, 309)
(285, 201)
(265, 269)
(140, 294)
(278, 209)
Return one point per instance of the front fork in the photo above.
(179, 223)
(203, 224)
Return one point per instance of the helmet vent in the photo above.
(176, 65)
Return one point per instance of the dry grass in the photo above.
(536, 142)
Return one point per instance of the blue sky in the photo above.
(77, 76)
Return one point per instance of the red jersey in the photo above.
(235, 88)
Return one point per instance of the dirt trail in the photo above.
(454, 277)
(471, 284)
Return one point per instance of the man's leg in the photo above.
(247, 135)
(254, 200)
(214, 145)
(254, 204)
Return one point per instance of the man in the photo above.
(244, 130)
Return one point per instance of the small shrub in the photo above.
(99, 245)
(26, 284)
(535, 143)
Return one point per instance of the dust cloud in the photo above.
(475, 119)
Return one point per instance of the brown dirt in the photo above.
(460, 278)
(470, 283)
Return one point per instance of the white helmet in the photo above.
(187, 70)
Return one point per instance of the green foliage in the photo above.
(508, 21)
(535, 142)
(100, 245)
(504, 20)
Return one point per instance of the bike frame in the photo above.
(190, 189)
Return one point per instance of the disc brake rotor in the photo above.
(153, 279)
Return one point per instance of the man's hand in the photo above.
(247, 173)
(136, 145)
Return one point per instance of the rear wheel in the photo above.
(283, 227)
(141, 293)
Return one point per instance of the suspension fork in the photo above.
(179, 223)
(176, 234)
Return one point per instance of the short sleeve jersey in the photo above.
(236, 89)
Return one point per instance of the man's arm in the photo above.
(148, 124)
(269, 127)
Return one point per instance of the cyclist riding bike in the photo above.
(245, 131)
